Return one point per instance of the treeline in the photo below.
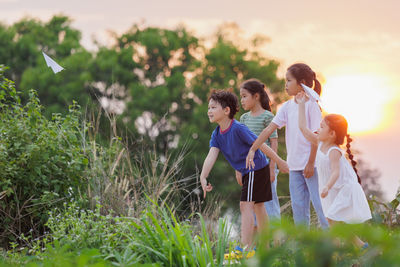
(152, 83)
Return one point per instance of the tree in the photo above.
(21, 49)
(369, 179)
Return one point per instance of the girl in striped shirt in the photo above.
(254, 98)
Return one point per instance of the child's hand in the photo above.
(301, 97)
(272, 174)
(250, 160)
(324, 192)
(283, 166)
(206, 187)
(239, 178)
(308, 171)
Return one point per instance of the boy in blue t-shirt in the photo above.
(234, 140)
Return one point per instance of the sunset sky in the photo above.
(353, 45)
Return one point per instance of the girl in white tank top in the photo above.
(342, 197)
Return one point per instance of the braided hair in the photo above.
(254, 86)
(338, 124)
(350, 155)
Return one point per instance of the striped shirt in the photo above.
(258, 123)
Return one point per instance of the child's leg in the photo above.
(300, 198)
(273, 208)
(262, 216)
(356, 240)
(312, 185)
(247, 228)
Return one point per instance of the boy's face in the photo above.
(216, 112)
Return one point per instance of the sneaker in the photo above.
(365, 246)
(238, 252)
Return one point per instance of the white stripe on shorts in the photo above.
(250, 186)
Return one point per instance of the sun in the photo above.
(361, 99)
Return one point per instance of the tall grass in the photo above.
(124, 180)
(157, 236)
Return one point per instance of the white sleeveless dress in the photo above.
(346, 201)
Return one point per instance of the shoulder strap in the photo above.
(334, 148)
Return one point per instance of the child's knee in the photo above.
(246, 206)
(259, 206)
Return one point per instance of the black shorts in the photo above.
(257, 186)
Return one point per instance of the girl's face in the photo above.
(247, 100)
(292, 87)
(325, 133)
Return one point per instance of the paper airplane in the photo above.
(311, 93)
(52, 64)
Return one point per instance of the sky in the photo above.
(353, 46)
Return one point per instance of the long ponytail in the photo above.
(302, 72)
(350, 155)
(254, 86)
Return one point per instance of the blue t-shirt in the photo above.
(235, 143)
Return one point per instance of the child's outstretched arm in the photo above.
(274, 147)
(301, 99)
(283, 166)
(334, 159)
(207, 166)
(258, 142)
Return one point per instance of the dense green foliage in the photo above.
(42, 162)
(157, 237)
(154, 237)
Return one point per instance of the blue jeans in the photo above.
(273, 208)
(301, 191)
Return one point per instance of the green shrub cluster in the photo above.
(156, 237)
(42, 163)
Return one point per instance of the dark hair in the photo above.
(254, 86)
(226, 99)
(338, 124)
(301, 71)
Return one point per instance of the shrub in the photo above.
(41, 162)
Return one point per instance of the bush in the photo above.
(155, 237)
(41, 162)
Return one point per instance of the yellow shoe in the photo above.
(250, 254)
(237, 253)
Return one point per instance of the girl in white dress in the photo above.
(342, 197)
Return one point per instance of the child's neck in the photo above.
(256, 110)
(225, 123)
(325, 145)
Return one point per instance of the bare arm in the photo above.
(239, 178)
(264, 136)
(310, 136)
(309, 168)
(207, 166)
(274, 147)
(259, 141)
(274, 157)
(334, 158)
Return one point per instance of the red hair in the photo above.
(338, 124)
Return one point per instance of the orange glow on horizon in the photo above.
(366, 101)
